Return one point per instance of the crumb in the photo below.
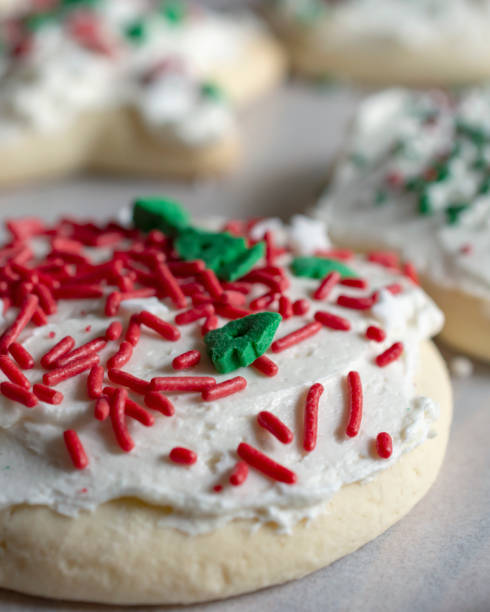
(461, 367)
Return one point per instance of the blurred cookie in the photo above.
(415, 177)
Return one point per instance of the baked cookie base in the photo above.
(120, 555)
(328, 52)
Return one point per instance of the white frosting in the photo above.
(407, 23)
(35, 467)
(402, 134)
(60, 78)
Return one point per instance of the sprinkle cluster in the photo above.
(238, 329)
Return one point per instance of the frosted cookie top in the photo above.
(260, 382)
(156, 57)
(408, 22)
(415, 176)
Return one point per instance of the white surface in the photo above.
(437, 558)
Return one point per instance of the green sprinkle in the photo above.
(136, 31)
(227, 255)
(485, 186)
(358, 160)
(380, 197)
(454, 211)
(212, 91)
(319, 267)
(239, 343)
(425, 205)
(173, 11)
(159, 213)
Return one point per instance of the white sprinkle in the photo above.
(273, 224)
(461, 367)
(308, 235)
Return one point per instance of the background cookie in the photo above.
(414, 178)
(386, 41)
(117, 88)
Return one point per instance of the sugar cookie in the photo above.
(387, 41)
(414, 178)
(272, 423)
(123, 87)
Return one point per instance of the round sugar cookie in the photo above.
(381, 42)
(128, 87)
(197, 413)
(414, 178)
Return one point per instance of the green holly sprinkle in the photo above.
(227, 255)
(425, 205)
(239, 343)
(159, 213)
(319, 267)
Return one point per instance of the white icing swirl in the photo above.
(35, 468)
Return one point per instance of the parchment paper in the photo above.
(438, 557)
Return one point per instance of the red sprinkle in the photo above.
(133, 332)
(355, 401)
(209, 324)
(157, 401)
(137, 412)
(231, 312)
(375, 333)
(357, 283)
(332, 321)
(118, 414)
(161, 327)
(78, 292)
(410, 271)
(119, 377)
(301, 307)
(95, 382)
(355, 303)
(265, 365)
(47, 394)
(325, 287)
(194, 314)
(70, 370)
(186, 360)
(239, 474)
(265, 464)
(123, 355)
(94, 346)
(61, 348)
(169, 284)
(211, 283)
(387, 259)
(182, 383)
(184, 456)
(75, 449)
(263, 301)
(285, 307)
(24, 316)
(296, 337)
(224, 389)
(13, 372)
(102, 409)
(280, 430)
(18, 394)
(114, 331)
(21, 356)
(384, 445)
(391, 354)
(311, 417)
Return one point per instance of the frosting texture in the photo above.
(415, 177)
(36, 469)
(157, 58)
